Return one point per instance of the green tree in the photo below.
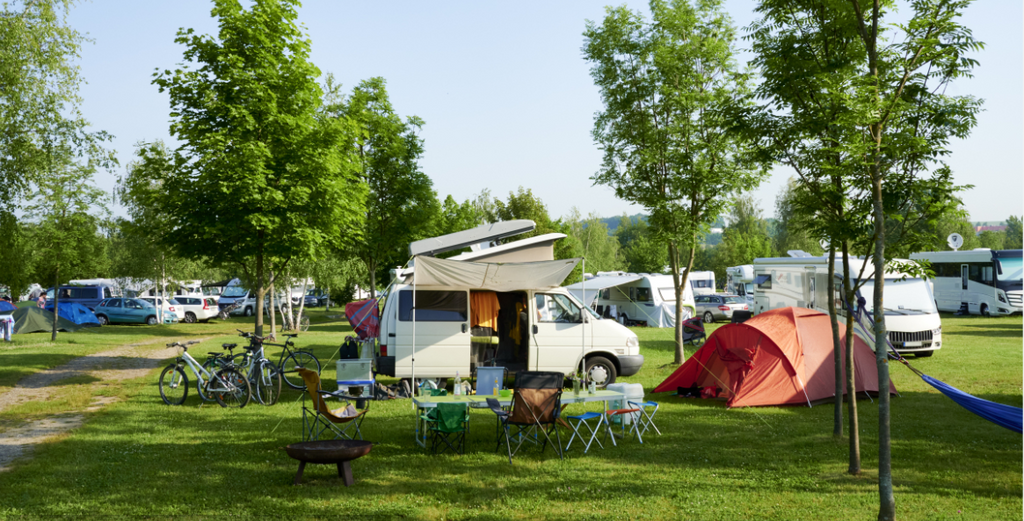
(642, 252)
(66, 241)
(992, 240)
(792, 229)
(522, 204)
(401, 206)
(15, 248)
(907, 122)
(665, 85)
(746, 237)
(457, 217)
(263, 174)
(1014, 235)
(596, 245)
(39, 100)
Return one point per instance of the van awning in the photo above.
(596, 284)
(509, 276)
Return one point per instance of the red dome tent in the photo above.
(780, 357)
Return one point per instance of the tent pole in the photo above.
(412, 383)
(583, 319)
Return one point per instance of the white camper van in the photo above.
(911, 320)
(634, 298)
(702, 282)
(739, 280)
(986, 282)
(511, 314)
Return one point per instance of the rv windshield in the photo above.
(1011, 270)
(667, 294)
(902, 296)
(234, 292)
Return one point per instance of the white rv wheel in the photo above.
(601, 371)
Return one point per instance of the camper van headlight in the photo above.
(937, 331)
(632, 341)
(1002, 297)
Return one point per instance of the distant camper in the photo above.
(911, 321)
(702, 282)
(982, 281)
(637, 298)
(739, 280)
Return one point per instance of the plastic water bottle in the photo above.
(458, 384)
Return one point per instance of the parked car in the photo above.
(126, 310)
(197, 309)
(316, 298)
(88, 296)
(170, 306)
(245, 299)
(719, 307)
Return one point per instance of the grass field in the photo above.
(139, 457)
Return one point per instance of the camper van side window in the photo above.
(763, 281)
(433, 306)
(106, 293)
(643, 294)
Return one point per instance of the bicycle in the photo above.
(290, 361)
(216, 362)
(228, 387)
(263, 375)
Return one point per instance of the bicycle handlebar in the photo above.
(186, 344)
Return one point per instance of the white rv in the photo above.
(511, 314)
(702, 282)
(911, 320)
(984, 281)
(739, 280)
(635, 298)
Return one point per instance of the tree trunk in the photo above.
(261, 290)
(273, 318)
(163, 292)
(302, 303)
(56, 302)
(837, 357)
(887, 503)
(373, 280)
(851, 383)
(680, 284)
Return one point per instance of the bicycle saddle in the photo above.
(229, 346)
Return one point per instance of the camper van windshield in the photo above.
(902, 295)
(667, 294)
(1012, 269)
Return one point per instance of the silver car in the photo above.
(719, 307)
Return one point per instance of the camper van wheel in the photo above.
(984, 310)
(601, 371)
(709, 317)
(247, 312)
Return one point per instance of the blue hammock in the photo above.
(997, 413)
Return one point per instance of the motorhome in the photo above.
(702, 282)
(462, 314)
(739, 280)
(911, 319)
(980, 281)
(635, 299)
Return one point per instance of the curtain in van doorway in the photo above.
(483, 309)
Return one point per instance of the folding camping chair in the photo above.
(581, 421)
(319, 419)
(536, 404)
(634, 424)
(646, 417)
(451, 423)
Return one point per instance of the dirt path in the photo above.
(122, 363)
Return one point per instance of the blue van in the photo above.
(88, 296)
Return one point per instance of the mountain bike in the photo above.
(263, 375)
(290, 361)
(227, 386)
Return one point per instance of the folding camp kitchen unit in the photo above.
(356, 372)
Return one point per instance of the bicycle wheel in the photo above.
(230, 388)
(266, 382)
(212, 365)
(293, 362)
(173, 385)
(303, 323)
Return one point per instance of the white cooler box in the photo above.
(633, 392)
(357, 372)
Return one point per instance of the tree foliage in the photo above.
(665, 85)
(263, 174)
(641, 251)
(1014, 233)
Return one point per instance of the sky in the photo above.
(506, 95)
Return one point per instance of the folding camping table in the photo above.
(480, 400)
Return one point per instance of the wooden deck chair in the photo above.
(318, 419)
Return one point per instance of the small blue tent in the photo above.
(76, 313)
(7, 306)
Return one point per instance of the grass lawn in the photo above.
(141, 457)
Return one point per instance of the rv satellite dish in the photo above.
(955, 241)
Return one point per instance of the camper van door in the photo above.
(557, 333)
(442, 332)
